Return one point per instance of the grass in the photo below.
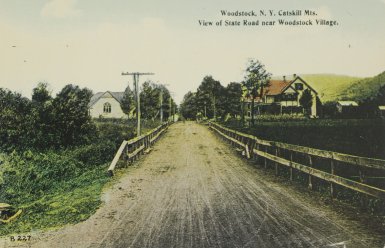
(57, 188)
(68, 202)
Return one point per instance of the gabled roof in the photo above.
(117, 95)
(276, 87)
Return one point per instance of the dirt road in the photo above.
(192, 190)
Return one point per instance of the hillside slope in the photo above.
(330, 86)
(364, 89)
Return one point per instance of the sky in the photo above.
(90, 43)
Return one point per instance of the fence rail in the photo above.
(131, 149)
(282, 154)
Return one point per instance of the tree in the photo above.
(15, 119)
(256, 79)
(43, 135)
(306, 101)
(73, 125)
(188, 107)
(128, 101)
(232, 102)
(209, 96)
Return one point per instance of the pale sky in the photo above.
(90, 43)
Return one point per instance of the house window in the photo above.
(289, 97)
(298, 86)
(107, 107)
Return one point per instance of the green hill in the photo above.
(364, 88)
(330, 86)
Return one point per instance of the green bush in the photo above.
(30, 175)
(94, 154)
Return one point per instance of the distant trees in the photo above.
(212, 100)
(188, 107)
(256, 79)
(152, 96)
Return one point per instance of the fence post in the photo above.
(310, 177)
(332, 171)
(364, 198)
(291, 166)
(255, 156)
(265, 159)
(276, 163)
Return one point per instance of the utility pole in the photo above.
(137, 94)
(170, 118)
(161, 105)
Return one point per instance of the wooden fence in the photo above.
(286, 155)
(131, 149)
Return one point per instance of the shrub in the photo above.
(94, 154)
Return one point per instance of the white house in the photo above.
(107, 105)
(286, 93)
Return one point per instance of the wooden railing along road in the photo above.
(131, 149)
(312, 162)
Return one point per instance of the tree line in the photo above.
(52, 122)
(212, 100)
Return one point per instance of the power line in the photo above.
(137, 94)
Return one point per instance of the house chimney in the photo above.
(294, 76)
(284, 78)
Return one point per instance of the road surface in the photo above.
(193, 190)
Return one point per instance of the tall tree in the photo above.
(188, 107)
(232, 102)
(256, 79)
(209, 95)
(73, 123)
(43, 118)
(128, 101)
(15, 119)
(306, 101)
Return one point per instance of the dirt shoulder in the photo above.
(192, 190)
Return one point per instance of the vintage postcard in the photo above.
(192, 123)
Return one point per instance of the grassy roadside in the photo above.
(66, 201)
(56, 188)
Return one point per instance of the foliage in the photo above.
(150, 102)
(51, 188)
(256, 79)
(306, 100)
(209, 97)
(188, 108)
(232, 102)
(128, 101)
(364, 89)
(45, 122)
(73, 123)
(15, 119)
(94, 154)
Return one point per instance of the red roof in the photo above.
(275, 87)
